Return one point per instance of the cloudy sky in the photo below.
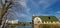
(24, 9)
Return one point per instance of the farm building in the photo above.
(38, 20)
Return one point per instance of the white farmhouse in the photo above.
(12, 21)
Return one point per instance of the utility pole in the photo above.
(4, 10)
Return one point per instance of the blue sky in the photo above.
(24, 9)
(27, 8)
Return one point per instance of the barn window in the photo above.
(49, 17)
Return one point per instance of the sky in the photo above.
(25, 9)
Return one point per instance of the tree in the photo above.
(4, 10)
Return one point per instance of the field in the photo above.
(47, 26)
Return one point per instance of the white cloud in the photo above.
(22, 15)
(35, 4)
(44, 14)
(28, 11)
(58, 16)
(25, 16)
(58, 12)
(23, 3)
(47, 3)
(20, 3)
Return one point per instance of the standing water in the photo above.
(23, 27)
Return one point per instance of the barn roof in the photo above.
(46, 18)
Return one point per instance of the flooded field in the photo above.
(35, 26)
(23, 27)
(20, 27)
(47, 26)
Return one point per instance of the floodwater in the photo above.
(20, 27)
(23, 27)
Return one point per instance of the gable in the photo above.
(37, 19)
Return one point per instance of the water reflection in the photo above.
(19, 27)
(23, 27)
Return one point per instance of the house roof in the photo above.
(47, 18)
